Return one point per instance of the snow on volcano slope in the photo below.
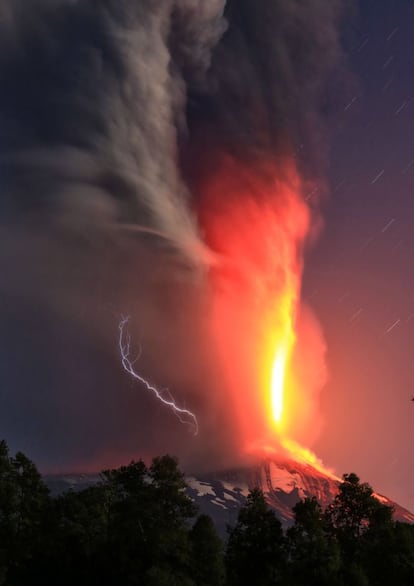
(283, 482)
(221, 494)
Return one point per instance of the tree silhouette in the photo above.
(207, 557)
(314, 556)
(24, 509)
(355, 518)
(255, 550)
(148, 523)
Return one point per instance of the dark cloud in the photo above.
(273, 81)
(107, 109)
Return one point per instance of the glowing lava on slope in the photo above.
(257, 221)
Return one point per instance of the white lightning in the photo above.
(164, 395)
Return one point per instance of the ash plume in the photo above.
(273, 79)
(111, 114)
(91, 106)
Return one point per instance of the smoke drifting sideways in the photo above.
(115, 115)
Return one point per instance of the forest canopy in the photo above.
(137, 525)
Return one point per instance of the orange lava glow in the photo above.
(284, 341)
(256, 219)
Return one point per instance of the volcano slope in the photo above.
(284, 483)
(221, 494)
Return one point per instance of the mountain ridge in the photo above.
(220, 494)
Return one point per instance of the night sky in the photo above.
(360, 277)
(92, 115)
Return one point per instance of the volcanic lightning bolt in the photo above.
(185, 416)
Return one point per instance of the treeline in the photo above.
(138, 527)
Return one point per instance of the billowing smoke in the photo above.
(115, 115)
(91, 108)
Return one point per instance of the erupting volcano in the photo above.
(255, 217)
(170, 157)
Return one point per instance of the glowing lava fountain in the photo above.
(256, 219)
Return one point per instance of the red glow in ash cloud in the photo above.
(258, 222)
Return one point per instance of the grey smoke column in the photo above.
(91, 104)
